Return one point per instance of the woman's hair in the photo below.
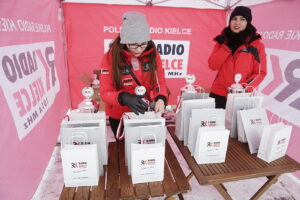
(119, 62)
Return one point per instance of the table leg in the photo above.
(190, 176)
(170, 198)
(223, 191)
(180, 196)
(271, 181)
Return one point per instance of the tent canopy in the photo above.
(207, 4)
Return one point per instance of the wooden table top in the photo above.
(117, 184)
(239, 164)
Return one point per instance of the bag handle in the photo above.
(120, 131)
(147, 134)
(82, 135)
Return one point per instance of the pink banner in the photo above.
(280, 29)
(183, 44)
(34, 92)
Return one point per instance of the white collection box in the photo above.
(206, 117)
(94, 125)
(274, 141)
(211, 145)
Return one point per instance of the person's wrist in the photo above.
(163, 98)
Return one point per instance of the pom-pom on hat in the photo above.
(242, 11)
(135, 28)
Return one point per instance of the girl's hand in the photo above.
(159, 106)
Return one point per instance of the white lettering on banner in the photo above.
(153, 30)
(178, 31)
(9, 25)
(29, 81)
(111, 29)
(281, 35)
(174, 55)
(281, 85)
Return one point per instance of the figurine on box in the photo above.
(189, 87)
(86, 106)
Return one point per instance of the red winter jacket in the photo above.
(110, 95)
(249, 61)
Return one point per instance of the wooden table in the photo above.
(117, 184)
(239, 164)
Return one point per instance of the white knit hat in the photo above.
(135, 28)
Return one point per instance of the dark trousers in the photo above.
(114, 124)
(220, 100)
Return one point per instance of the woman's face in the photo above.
(137, 49)
(238, 23)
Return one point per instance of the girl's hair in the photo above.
(119, 62)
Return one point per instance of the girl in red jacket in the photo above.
(132, 52)
(238, 49)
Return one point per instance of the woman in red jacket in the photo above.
(238, 49)
(132, 52)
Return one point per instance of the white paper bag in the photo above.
(239, 103)
(80, 165)
(211, 145)
(253, 121)
(133, 135)
(274, 141)
(147, 162)
(202, 118)
(94, 124)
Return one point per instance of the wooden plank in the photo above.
(244, 153)
(112, 186)
(67, 193)
(240, 175)
(186, 154)
(169, 184)
(205, 168)
(126, 186)
(98, 192)
(224, 168)
(156, 189)
(231, 161)
(142, 190)
(82, 193)
(176, 170)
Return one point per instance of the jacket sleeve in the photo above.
(218, 56)
(107, 90)
(259, 69)
(160, 88)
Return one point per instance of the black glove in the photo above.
(134, 102)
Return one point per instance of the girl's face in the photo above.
(137, 49)
(238, 23)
